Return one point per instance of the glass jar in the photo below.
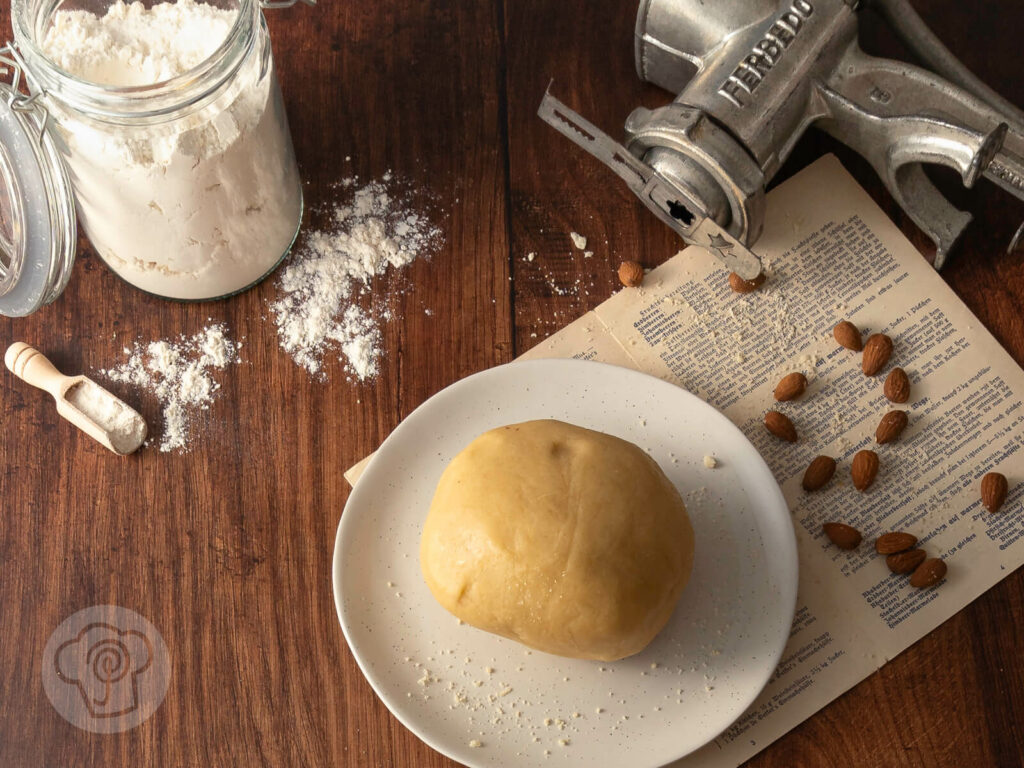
(187, 188)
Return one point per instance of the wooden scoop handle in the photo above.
(31, 366)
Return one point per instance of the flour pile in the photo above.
(180, 374)
(317, 310)
(131, 44)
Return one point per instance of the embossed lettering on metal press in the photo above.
(1006, 174)
(766, 53)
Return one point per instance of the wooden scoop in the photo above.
(80, 400)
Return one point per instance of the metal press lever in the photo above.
(753, 75)
(672, 204)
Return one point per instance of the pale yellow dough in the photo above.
(568, 540)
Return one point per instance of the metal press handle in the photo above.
(924, 44)
(929, 49)
(899, 116)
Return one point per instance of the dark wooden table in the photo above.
(227, 549)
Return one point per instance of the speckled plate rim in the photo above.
(772, 506)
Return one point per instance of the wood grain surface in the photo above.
(227, 548)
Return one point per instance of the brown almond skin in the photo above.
(897, 541)
(739, 285)
(877, 350)
(631, 273)
(790, 387)
(906, 562)
(842, 535)
(780, 426)
(928, 574)
(891, 427)
(864, 469)
(897, 386)
(848, 335)
(819, 472)
(993, 491)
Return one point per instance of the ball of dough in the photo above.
(568, 540)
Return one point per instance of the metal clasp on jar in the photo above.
(12, 63)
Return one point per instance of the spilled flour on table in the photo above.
(317, 311)
(180, 374)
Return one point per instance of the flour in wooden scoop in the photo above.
(124, 425)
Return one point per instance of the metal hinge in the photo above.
(26, 103)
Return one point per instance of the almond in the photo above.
(905, 562)
(780, 426)
(928, 574)
(848, 335)
(842, 535)
(740, 285)
(631, 273)
(891, 426)
(877, 350)
(791, 386)
(819, 472)
(897, 386)
(897, 541)
(993, 491)
(864, 469)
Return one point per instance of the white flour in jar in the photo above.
(197, 206)
(132, 45)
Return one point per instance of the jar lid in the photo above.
(38, 234)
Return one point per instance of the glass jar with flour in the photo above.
(166, 122)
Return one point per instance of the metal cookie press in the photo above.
(753, 75)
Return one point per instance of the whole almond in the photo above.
(864, 469)
(891, 426)
(631, 273)
(780, 426)
(848, 335)
(993, 491)
(842, 535)
(818, 473)
(928, 574)
(791, 386)
(877, 350)
(897, 386)
(740, 285)
(905, 562)
(897, 541)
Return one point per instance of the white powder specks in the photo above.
(179, 373)
(316, 310)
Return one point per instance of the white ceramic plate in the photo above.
(487, 701)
